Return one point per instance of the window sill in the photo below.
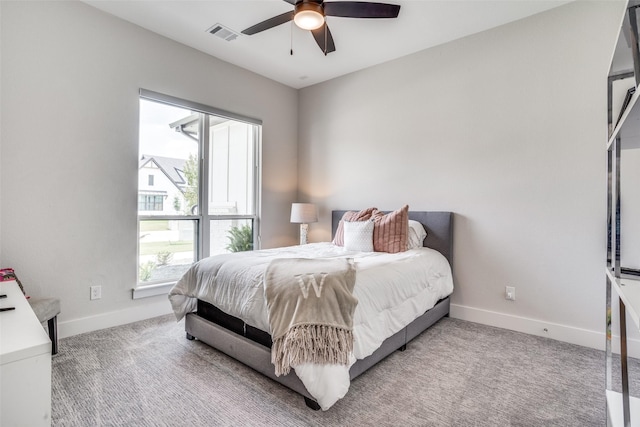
(152, 290)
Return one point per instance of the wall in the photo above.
(507, 129)
(70, 77)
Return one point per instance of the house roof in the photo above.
(172, 168)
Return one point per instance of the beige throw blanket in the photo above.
(310, 305)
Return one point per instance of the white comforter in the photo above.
(392, 290)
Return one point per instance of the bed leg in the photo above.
(311, 403)
(403, 347)
(190, 337)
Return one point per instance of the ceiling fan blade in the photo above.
(361, 9)
(269, 23)
(293, 2)
(319, 35)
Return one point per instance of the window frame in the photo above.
(203, 219)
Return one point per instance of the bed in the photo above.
(241, 334)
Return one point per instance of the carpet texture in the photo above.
(456, 373)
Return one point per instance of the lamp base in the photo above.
(303, 233)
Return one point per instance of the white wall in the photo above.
(70, 77)
(506, 128)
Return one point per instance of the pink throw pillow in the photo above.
(350, 216)
(391, 231)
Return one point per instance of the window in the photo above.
(198, 186)
(149, 203)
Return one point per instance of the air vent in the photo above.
(223, 32)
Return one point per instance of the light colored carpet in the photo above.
(455, 374)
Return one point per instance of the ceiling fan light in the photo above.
(308, 16)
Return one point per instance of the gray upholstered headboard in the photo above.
(439, 226)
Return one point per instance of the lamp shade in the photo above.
(303, 213)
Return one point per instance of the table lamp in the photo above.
(303, 214)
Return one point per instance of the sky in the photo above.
(157, 138)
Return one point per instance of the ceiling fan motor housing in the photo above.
(309, 5)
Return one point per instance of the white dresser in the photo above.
(25, 363)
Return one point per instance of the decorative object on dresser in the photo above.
(303, 214)
(414, 285)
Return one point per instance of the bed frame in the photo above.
(251, 346)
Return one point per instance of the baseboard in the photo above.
(113, 318)
(570, 334)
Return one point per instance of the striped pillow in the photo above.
(391, 231)
(351, 216)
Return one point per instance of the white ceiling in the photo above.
(360, 43)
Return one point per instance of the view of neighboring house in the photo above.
(173, 232)
(161, 185)
(166, 246)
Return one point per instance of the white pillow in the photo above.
(417, 234)
(358, 236)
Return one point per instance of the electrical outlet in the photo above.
(96, 292)
(510, 293)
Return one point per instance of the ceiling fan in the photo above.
(310, 15)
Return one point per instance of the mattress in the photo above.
(392, 290)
